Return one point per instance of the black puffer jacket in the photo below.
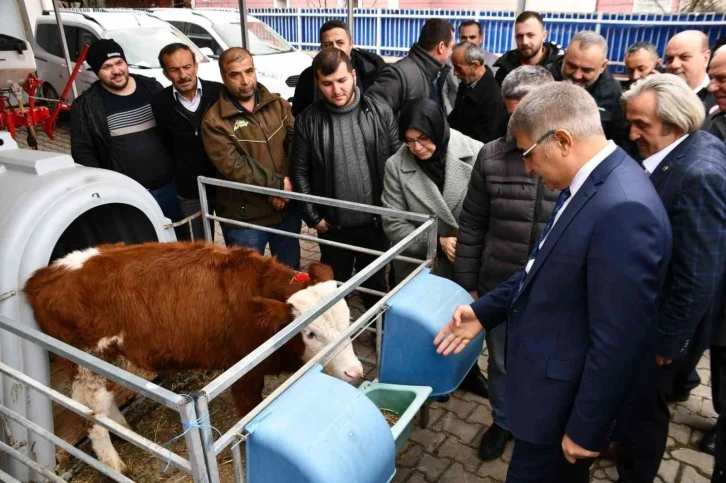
(366, 65)
(511, 59)
(607, 94)
(409, 78)
(503, 216)
(311, 161)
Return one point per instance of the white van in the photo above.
(139, 34)
(277, 62)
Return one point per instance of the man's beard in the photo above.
(531, 54)
(117, 87)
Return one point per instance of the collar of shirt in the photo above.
(650, 164)
(586, 169)
(703, 85)
(582, 174)
(186, 102)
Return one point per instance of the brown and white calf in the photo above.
(180, 306)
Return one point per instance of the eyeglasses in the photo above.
(420, 140)
(539, 141)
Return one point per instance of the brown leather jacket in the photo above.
(252, 148)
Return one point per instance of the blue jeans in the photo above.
(285, 248)
(168, 200)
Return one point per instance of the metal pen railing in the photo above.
(236, 434)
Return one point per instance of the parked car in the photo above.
(141, 35)
(277, 62)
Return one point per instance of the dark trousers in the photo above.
(685, 379)
(168, 201)
(343, 261)
(718, 388)
(285, 248)
(534, 463)
(643, 428)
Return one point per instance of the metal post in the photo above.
(193, 439)
(379, 31)
(27, 27)
(521, 7)
(243, 23)
(299, 29)
(208, 235)
(201, 403)
(351, 25)
(598, 25)
(64, 44)
(239, 471)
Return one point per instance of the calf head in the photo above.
(325, 329)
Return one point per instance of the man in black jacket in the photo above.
(503, 214)
(687, 55)
(335, 33)
(479, 111)
(530, 35)
(179, 110)
(113, 126)
(422, 73)
(585, 64)
(340, 149)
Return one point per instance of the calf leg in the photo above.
(90, 389)
(247, 392)
(115, 414)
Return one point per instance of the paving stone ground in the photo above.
(445, 450)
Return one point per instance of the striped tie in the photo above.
(564, 195)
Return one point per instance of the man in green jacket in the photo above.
(247, 135)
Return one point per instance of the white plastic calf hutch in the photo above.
(50, 207)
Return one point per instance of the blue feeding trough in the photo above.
(321, 430)
(417, 313)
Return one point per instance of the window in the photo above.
(202, 38)
(180, 25)
(85, 37)
(48, 38)
(72, 41)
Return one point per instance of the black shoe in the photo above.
(493, 442)
(680, 397)
(475, 383)
(708, 443)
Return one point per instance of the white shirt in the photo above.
(582, 174)
(192, 105)
(703, 85)
(650, 164)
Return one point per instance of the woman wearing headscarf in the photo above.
(430, 174)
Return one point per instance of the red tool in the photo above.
(11, 117)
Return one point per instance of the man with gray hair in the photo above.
(479, 111)
(585, 64)
(688, 169)
(642, 60)
(503, 215)
(581, 313)
(687, 55)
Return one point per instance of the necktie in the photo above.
(435, 88)
(564, 195)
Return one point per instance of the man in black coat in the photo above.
(585, 64)
(532, 49)
(113, 126)
(687, 166)
(335, 33)
(179, 110)
(479, 111)
(687, 55)
(340, 148)
(422, 73)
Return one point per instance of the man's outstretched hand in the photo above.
(460, 330)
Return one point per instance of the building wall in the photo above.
(579, 6)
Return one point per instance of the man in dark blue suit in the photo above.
(688, 169)
(581, 314)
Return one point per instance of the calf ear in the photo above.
(319, 272)
(271, 315)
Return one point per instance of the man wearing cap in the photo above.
(113, 126)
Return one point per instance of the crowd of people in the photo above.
(587, 222)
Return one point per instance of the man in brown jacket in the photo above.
(248, 135)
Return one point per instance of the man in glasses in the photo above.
(581, 313)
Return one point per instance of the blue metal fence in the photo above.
(392, 32)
